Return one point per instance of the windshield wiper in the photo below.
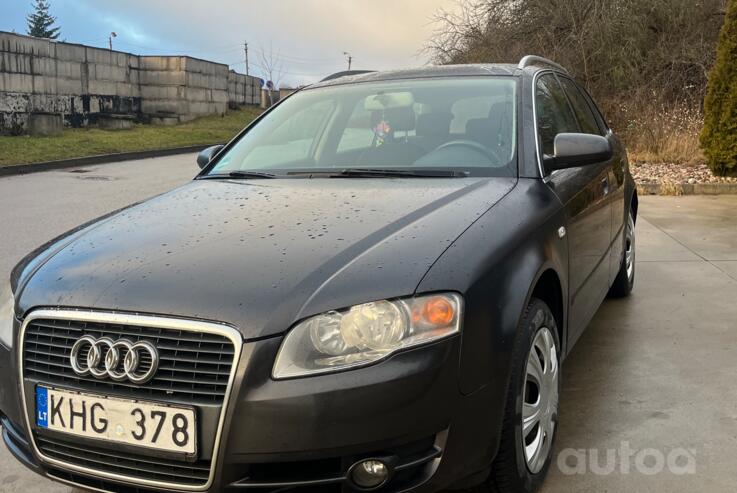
(374, 172)
(240, 175)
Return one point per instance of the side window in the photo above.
(554, 114)
(600, 120)
(581, 108)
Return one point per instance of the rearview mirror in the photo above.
(388, 100)
(573, 150)
(205, 155)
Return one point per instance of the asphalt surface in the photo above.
(649, 400)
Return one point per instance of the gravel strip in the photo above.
(646, 173)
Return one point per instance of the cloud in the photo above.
(307, 36)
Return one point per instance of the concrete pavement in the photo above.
(655, 371)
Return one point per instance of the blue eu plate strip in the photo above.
(42, 407)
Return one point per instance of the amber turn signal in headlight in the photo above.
(363, 334)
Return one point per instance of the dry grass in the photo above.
(658, 133)
(668, 187)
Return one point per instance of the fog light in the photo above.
(369, 474)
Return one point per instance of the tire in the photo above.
(517, 469)
(625, 280)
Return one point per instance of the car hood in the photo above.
(261, 254)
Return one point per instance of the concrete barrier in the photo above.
(46, 124)
(81, 83)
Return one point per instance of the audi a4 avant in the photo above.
(371, 288)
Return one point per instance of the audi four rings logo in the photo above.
(119, 360)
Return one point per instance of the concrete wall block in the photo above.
(13, 123)
(68, 86)
(236, 77)
(205, 67)
(219, 96)
(162, 62)
(126, 90)
(108, 72)
(121, 60)
(68, 69)
(102, 56)
(102, 87)
(196, 94)
(15, 62)
(26, 45)
(176, 107)
(52, 103)
(162, 77)
(44, 85)
(14, 102)
(70, 53)
(206, 81)
(16, 82)
(159, 92)
(44, 66)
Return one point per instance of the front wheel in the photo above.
(625, 279)
(531, 415)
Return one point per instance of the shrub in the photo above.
(719, 136)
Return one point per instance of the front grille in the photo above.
(194, 367)
(126, 464)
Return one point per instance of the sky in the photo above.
(304, 39)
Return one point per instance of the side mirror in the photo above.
(205, 155)
(573, 150)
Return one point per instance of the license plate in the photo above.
(145, 424)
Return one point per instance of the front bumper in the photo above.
(303, 434)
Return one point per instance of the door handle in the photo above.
(605, 185)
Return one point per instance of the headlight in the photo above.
(7, 313)
(367, 333)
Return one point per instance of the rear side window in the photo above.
(581, 108)
(600, 120)
(554, 115)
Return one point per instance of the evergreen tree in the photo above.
(40, 22)
(719, 136)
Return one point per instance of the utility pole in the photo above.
(245, 82)
(350, 59)
(245, 48)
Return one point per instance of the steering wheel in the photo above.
(487, 152)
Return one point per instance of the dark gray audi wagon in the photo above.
(371, 288)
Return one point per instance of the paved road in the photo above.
(655, 371)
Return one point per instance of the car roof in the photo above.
(464, 70)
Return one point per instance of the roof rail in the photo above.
(538, 60)
(346, 73)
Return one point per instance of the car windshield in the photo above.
(441, 124)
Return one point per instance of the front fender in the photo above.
(496, 263)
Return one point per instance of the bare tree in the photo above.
(271, 65)
(658, 49)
